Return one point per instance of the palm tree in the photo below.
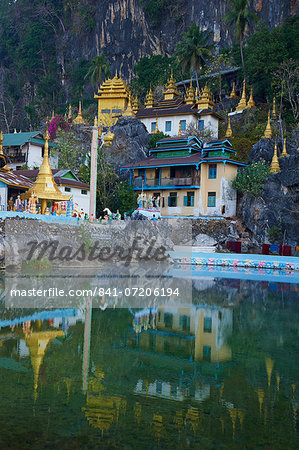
(239, 16)
(193, 50)
(98, 68)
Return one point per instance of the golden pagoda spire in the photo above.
(277, 381)
(274, 167)
(233, 93)
(5, 168)
(243, 102)
(268, 130)
(269, 362)
(108, 138)
(190, 95)
(180, 130)
(149, 99)
(53, 114)
(129, 111)
(79, 120)
(233, 414)
(44, 186)
(274, 113)
(251, 103)
(229, 131)
(284, 151)
(156, 130)
(205, 100)
(260, 394)
(70, 112)
(135, 104)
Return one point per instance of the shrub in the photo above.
(250, 179)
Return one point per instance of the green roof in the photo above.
(41, 142)
(16, 139)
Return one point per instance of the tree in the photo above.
(69, 150)
(250, 180)
(193, 51)
(98, 68)
(287, 82)
(217, 64)
(239, 16)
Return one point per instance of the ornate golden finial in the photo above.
(274, 168)
(70, 111)
(205, 99)
(274, 113)
(129, 111)
(268, 130)
(180, 129)
(149, 99)
(269, 362)
(251, 103)
(284, 151)
(79, 120)
(115, 74)
(229, 131)
(95, 121)
(135, 104)
(190, 95)
(243, 102)
(53, 114)
(5, 168)
(108, 138)
(233, 93)
(156, 130)
(170, 89)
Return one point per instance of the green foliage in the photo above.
(79, 76)
(158, 10)
(250, 180)
(242, 144)
(70, 151)
(274, 234)
(155, 138)
(99, 67)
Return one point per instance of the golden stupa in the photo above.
(205, 100)
(274, 113)
(38, 342)
(108, 138)
(44, 187)
(229, 131)
(268, 130)
(284, 151)
(190, 95)
(274, 168)
(5, 167)
(233, 93)
(112, 96)
(149, 99)
(135, 104)
(129, 111)
(251, 103)
(79, 120)
(243, 102)
(171, 89)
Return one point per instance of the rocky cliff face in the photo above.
(126, 32)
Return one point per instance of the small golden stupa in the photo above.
(268, 130)
(229, 131)
(251, 103)
(156, 130)
(5, 167)
(129, 111)
(190, 95)
(79, 120)
(243, 102)
(44, 187)
(274, 113)
(108, 138)
(180, 130)
(284, 151)
(274, 168)
(135, 104)
(205, 100)
(233, 93)
(149, 99)
(171, 89)
(269, 368)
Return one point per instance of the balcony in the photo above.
(149, 183)
(16, 158)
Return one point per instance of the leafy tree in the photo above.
(239, 16)
(250, 180)
(79, 77)
(286, 80)
(98, 68)
(193, 51)
(155, 138)
(69, 151)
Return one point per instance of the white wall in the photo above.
(3, 193)
(210, 122)
(35, 157)
(81, 199)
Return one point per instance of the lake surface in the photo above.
(218, 369)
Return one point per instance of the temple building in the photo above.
(190, 180)
(173, 113)
(113, 100)
(26, 149)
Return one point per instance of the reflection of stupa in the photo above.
(102, 410)
(38, 342)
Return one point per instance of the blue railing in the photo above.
(140, 183)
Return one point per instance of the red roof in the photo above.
(32, 174)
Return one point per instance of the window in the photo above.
(183, 125)
(172, 172)
(83, 191)
(212, 170)
(212, 199)
(207, 325)
(185, 323)
(206, 353)
(106, 111)
(189, 199)
(168, 125)
(116, 111)
(67, 189)
(168, 319)
(153, 126)
(172, 199)
(200, 125)
(141, 173)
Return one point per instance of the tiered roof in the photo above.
(113, 88)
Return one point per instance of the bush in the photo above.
(250, 180)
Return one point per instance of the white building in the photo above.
(174, 114)
(26, 148)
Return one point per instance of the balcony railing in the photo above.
(165, 182)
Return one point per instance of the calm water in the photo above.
(220, 371)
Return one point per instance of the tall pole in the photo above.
(93, 170)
